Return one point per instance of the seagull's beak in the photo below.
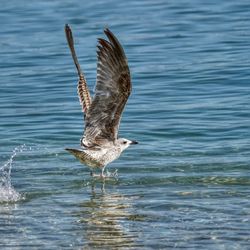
(134, 142)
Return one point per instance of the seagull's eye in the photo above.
(124, 142)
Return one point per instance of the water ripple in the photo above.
(186, 185)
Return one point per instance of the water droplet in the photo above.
(7, 191)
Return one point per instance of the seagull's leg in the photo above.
(102, 174)
(93, 174)
(109, 174)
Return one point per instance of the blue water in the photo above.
(186, 185)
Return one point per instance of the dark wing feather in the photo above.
(82, 89)
(113, 87)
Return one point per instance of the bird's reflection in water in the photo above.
(106, 219)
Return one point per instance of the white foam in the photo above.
(9, 194)
(7, 191)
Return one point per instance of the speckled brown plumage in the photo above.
(82, 88)
(103, 113)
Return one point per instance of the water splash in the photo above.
(7, 191)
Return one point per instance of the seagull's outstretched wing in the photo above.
(82, 89)
(113, 87)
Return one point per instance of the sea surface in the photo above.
(186, 185)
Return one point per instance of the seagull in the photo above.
(100, 144)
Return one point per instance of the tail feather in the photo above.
(84, 157)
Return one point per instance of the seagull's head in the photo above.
(125, 143)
